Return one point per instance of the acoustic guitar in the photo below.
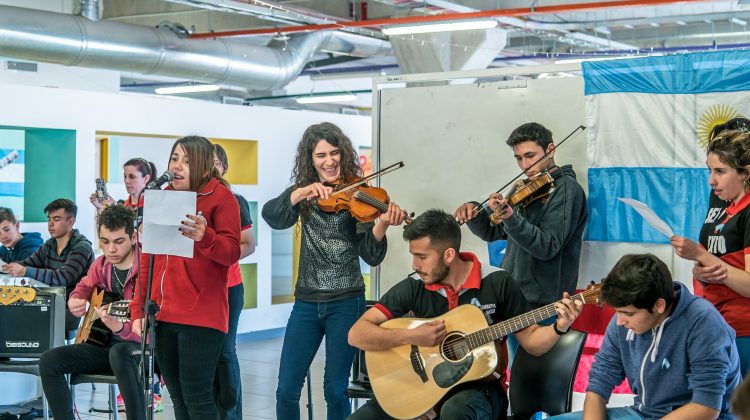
(409, 380)
(92, 329)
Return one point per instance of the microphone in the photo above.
(167, 176)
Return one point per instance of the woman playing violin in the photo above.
(330, 289)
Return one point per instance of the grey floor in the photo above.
(259, 363)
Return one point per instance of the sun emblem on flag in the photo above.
(710, 118)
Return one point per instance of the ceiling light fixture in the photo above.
(192, 88)
(322, 99)
(680, 22)
(463, 25)
(738, 21)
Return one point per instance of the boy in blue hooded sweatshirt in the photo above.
(16, 245)
(675, 349)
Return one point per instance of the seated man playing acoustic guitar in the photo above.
(443, 280)
(114, 353)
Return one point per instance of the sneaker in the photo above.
(158, 406)
(120, 403)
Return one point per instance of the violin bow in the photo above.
(391, 168)
(544, 157)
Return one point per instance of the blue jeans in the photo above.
(307, 325)
(227, 383)
(620, 413)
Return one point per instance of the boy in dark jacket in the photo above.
(675, 349)
(15, 245)
(545, 234)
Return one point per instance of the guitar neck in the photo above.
(517, 323)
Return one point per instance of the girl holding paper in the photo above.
(192, 292)
(722, 273)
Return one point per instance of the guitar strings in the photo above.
(502, 329)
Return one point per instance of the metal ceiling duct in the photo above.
(76, 41)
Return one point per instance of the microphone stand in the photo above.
(148, 339)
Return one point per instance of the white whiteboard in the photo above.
(452, 140)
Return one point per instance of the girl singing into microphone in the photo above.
(192, 292)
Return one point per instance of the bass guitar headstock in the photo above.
(12, 294)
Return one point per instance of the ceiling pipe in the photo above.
(376, 23)
(90, 9)
(76, 41)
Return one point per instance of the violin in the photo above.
(364, 202)
(527, 191)
(524, 189)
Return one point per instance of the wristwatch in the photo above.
(554, 327)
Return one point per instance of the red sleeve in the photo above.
(92, 279)
(221, 242)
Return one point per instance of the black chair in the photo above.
(85, 378)
(545, 383)
(359, 387)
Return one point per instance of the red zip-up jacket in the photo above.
(193, 291)
(100, 275)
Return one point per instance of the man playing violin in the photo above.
(545, 231)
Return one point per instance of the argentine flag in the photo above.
(648, 124)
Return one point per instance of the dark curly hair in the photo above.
(117, 217)
(732, 147)
(304, 173)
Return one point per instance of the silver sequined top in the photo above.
(331, 246)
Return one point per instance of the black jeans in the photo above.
(187, 356)
(475, 401)
(118, 358)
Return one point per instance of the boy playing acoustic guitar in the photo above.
(443, 280)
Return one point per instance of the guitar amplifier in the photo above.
(28, 329)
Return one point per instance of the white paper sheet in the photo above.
(162, 213)
(655, 221)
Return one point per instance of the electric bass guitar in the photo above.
(409, 380)
(92, 329)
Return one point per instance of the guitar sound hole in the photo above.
(454, 347)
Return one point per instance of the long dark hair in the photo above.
(304, 172)
(200, 154)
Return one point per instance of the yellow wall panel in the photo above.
(243, 160)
